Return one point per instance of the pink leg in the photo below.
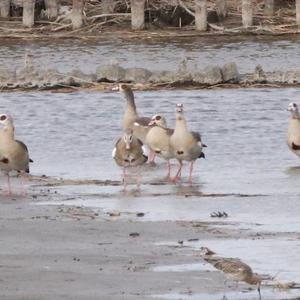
(138, 178)
(151, 156)
(124, 179)
(178, 174)
(191, 171)
(8, 193)
(168, 177)
(23, 184)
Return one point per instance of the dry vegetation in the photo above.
(163, 18)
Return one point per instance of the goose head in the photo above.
(128, 138)
(179, 112)
(158, 120)
(6, 120)
(293, 108)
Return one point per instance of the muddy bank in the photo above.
(65, 251)
(105, 76)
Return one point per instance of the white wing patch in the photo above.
(145, 150)
(113, 154)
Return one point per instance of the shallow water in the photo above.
(247, 52)
(72, 136)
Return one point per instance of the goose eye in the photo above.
(157, 118)
(3, 118)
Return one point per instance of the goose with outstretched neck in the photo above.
(14, 154)
(186, 145)
(131, 118)
(294, 129)
(128, 153)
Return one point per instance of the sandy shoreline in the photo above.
(73, 252)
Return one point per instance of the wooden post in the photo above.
(201, 15)
(77, 13)
(4, 8)
(247, 13)
(298, 12)
(28, 13)
(137, 14)
(269, 8)
(52, 9)
(221, 9)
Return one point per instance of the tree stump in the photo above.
(137, 14)
(201, 15)
(52, 9)
(4, 8)
(247, 13)
(221, 9)
(28, 13)
(298, 12)
(269, 8)
(77, 13)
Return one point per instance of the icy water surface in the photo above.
(271, 53)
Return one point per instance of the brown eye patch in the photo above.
(157, 118)
(3, 118)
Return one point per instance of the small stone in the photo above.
(230, 73)
(134, 234)
(138, 75)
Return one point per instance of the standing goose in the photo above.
(158, 140)
(186, 145)
(294, 129)
(13, 153)
(131, 119)
(128, 152)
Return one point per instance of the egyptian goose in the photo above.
(158, 139)
(294, 129)
(13, 153)
(131, 119)
(129, 152)
(186, 145)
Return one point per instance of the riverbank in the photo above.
(106, 76)
(86, 252)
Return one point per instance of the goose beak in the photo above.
(127, 146)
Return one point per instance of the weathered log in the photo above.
(298, 12)
(52, 9)
(247, 13)
(77, 13)
(201, 15)
(137, 14)
(221, 9)
(4, 8)
(28, 13)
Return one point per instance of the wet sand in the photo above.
(67, 251)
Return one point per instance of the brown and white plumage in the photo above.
(293, 139)
(186, 145)
(158, 139)
(235, 269)
(129, 152)
(14, 154)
